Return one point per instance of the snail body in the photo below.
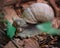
(19, 23)
(38, 12)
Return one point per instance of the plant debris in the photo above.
(42, 40)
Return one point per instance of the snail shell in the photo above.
(28, 16)
(38, 12)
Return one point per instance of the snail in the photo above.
(38, 12)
